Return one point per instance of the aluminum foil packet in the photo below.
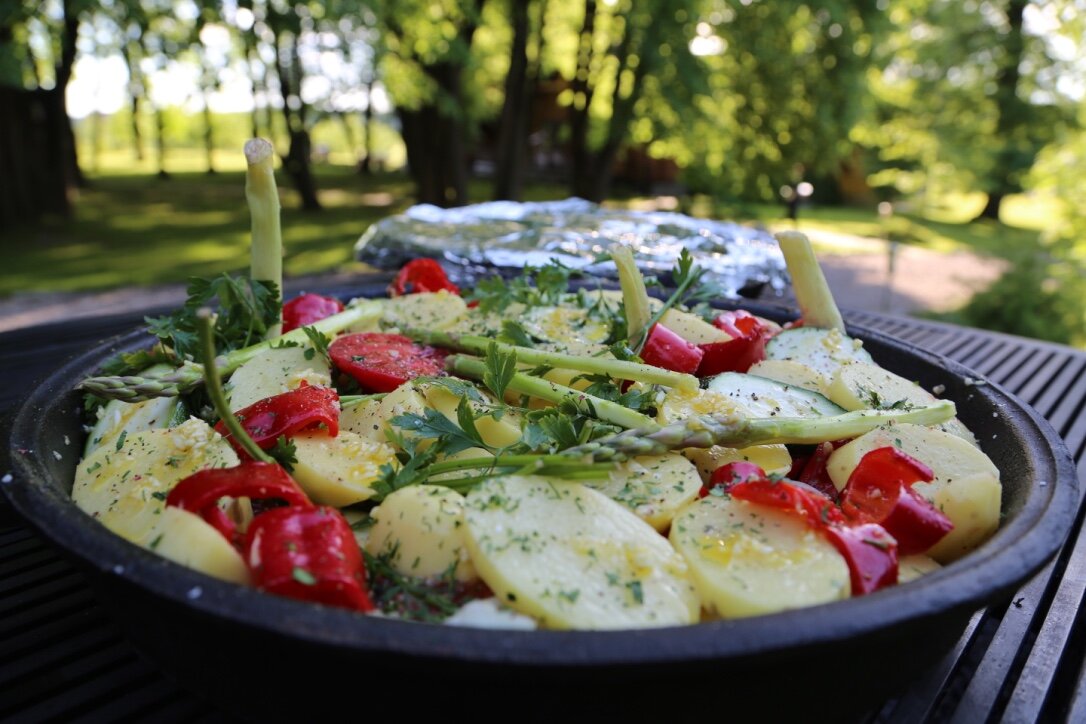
(506, 236)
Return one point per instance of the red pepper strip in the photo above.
(421, 275)
(871, 554)
(728, 474)
(746, 347)
(816, 508)
(667, 350)
(305, 309)
(869, 551)
(309, 554)
(200, 492)
(285, 414)
(880, 491)
(383, 362)
(814, 471)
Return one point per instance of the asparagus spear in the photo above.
(733, 431)
(812, 292)
(266, 256)
(536, 387)
(635, 298)
(190, 374)
(599, 365)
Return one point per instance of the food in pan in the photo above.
(525, 455)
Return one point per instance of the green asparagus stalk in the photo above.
(590, 405)
(812, 292)
(733, 431)
(635, 298)
(266, 256)
(213, 384)
(597, 365)
(190, 375)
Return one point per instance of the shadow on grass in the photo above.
(141, 230)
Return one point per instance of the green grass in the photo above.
(132, 228)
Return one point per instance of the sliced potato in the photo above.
(966, 486)
(185, 538)
(426, 310)
(364, 418)
(654, 487)
(124, 485)
(339, 470)
(693, 328)
(680, 405)
(748, 559)
(862, 386)
(823, 350)
(792, 372)
(421, 530)
(573, 558)
(275, 371)
(773, 459)
(909, 568)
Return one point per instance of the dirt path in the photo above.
(857, 269)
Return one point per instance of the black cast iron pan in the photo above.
(262, 657)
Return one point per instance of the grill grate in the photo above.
(65, 659)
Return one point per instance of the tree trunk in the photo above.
(63, 75)
(32, 162)
(513, 134)
(135, 84)
(298, 161)
(582, 101)
(209, 136)
(1013, 112)
(160, 143)
(365, 164)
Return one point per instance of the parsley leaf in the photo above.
(320, 342)
(432, 425)
(285, 452)
(514, 333)
(500, 369)
(247, 309)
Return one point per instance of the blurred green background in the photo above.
(944, 124)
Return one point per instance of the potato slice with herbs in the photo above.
(791, 372)
(573, 558)
(185, 538)
(125, 485)
(275, 371)
(339, 470)
(436, 311)
(749, 559)
(693, 328)
(966, 486)
(654, 487)
(862, 386)
(420, 529)
(910, 568)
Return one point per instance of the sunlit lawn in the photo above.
(136, 229)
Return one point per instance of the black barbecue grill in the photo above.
(63, 658)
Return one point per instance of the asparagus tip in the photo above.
(258, 150)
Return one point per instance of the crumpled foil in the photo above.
(506, 236)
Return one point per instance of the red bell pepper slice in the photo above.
(308, 554)
(305, 309)
(880, 491)
(383, 362)
(421, 275)
(813, 471)
(667, 350)
(731, 473)
(869, 551)
(300, 409)
(200, 492)
(746, 347)
(871, 554)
